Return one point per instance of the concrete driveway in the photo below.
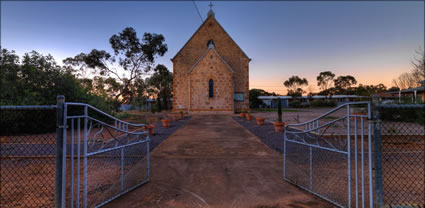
(212, 161)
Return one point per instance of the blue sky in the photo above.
(373, 41)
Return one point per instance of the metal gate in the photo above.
(103, 157)
(331, 156)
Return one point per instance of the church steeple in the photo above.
(211, 12)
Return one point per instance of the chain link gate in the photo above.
(400, 159)
(105, 157)
(331, 156)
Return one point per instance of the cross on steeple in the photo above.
(211, 12)
(210, 5)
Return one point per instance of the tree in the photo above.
(368, 90)
(140, 97)
(393, 89)
(411, 79)
(419, 65)
(254, 101)
(36, 79)
(133, 56)
(161, 82)
(294, 85)
(344, 82)
(407, 80)
(325, 80)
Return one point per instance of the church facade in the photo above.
(210, 72)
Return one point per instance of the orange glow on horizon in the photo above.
(372, 77)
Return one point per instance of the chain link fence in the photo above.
(57, 155)
(28, 156)
(400, 134)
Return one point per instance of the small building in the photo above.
(272, 102)
(339, 99)
(415, 94)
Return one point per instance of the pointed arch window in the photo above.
(211, 88)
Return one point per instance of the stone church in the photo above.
(210, 72)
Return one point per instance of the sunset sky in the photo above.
(372, 41)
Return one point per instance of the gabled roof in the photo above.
(203, 55)
(210, 16)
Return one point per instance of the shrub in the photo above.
(412, 115)
(122, 115)
(296, 104)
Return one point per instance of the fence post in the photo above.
(60, 100)
(378, 154)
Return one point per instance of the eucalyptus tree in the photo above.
(325, 80)
(161, 83)
(345, 82)
(131, 59)
(295, 85)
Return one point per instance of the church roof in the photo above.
(203, 55)
(209, 16)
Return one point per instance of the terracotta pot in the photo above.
(242, 115)
(151, 128)
(4, 140)
(248, 116)
(175, 118)
(260, 121)
(181, 116)
(166, 122)
(278, 126)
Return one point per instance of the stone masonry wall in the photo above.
(211, 67)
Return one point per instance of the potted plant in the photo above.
(248, 116)
(165, 122)
(151, 128)
(181, 115)
(279, 124)
(242, 114)
(260, 121)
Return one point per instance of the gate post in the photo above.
(378, 154)
(60, 100)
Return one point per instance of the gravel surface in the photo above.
(265, 133)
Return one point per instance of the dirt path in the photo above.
(212, 161)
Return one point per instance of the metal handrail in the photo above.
(118, 129)
(327, 113)
(313, 129)
(103, 113)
